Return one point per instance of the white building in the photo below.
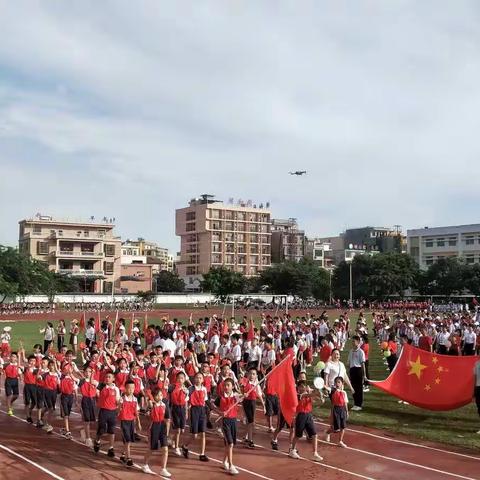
(427, 245)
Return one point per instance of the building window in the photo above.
(101, 233)
(469, 241)
(213, 214)
(37, 229)
(108, 267)
(190, 227)
(107, 287)
(429, 243)
(109, 250)
(440, 242)
(191, 271)
(452, 242)
(190, 216)
(42, 248)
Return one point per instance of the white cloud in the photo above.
(140, 107)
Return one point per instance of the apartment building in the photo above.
(427, 245)
(151, 252)
(86, 250)
(288, 241)
(214, 234)
(320, 251)
(376, 239)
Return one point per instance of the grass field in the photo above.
(380, 410)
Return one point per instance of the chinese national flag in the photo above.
(251, 331)
(225, 327)
(282, 383)
(431, 381)
(97, 323)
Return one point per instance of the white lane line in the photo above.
(404, 442)
(31, 462)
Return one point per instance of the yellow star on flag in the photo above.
(427, 388)
(416, 367)
(440, 369)
(437, 381)
(434, 360)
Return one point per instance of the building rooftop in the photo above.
(48, 219)
(470, 228)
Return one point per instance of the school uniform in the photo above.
(339, 409)
(50, 390)
(178, 406)
(11, 379)
(229, 422)
(107, 403)
(88, 391)
(272, 404)
(198, 409)
(250, 392)
(158, 428)
(127, 414)
(30, 387)
(304, 419)
(67, 387)
(40, 382)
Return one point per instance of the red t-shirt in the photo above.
(128, 409)
(87, 389)
(67, 385)
(249, 389)
(51, 381)
(225, 404)
(392, 346)
(178, 396)
(425, 342)
(11, 371)
(338, 398)
(325, 353)
(158, 413)
(108, 397)
(29, 376)
(304, 405)
(198, 396)
(366, 349)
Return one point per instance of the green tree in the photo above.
(169, 282)
(222, 282)
(471, 278)
(445, 277)
(304, 279)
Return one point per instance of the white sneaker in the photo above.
(89, 442)
(226, 466)
(356, 408)
(293, 454)
(327, 437)
(147, 469)
(366, 390)
(478, 433)
(177, 452)
(316, 457)
(165, 473)
(233, 471)
(341, 444)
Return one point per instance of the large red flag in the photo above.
(82, 322)
(251, 331)
(225, 327)
(282, 383)
(431, 381)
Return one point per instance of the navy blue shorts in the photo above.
(88, 409)
(158, 435)
(198, 419)
(11, 387)
(178, 417)
(66, 403)
(30, 395)
(271, 405)
(40, 397)
(229, 430)
(128, 430)
(107, 421)
(249, 407)
(304, 423)
(50, 398)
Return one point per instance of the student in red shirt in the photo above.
(30, 386)
(227, 407)
(12, 373)
(197, 400)
(128, 415)
(51, 383)
(108, 400)
(304, 421)
(178, 407)
(40, 383)
(339, 412)
(251, 392)
(88, 389)
(159, 415)
(68, 392)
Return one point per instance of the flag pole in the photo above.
(253, 388)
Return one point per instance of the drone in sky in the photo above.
(298, 172)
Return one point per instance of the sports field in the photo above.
(385, 440)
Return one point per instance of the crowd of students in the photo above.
(209, 374)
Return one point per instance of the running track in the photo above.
(26, 452)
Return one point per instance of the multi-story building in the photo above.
(427, 245)
(136, 278)
(153, 253)
(213, 234)
(320, 251)
(377, 239)
(88, 251)
(288, 241)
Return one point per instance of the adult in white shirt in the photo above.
(469, 341)
(214, 344)
(169, 346)
(335, 368)
(254, 355)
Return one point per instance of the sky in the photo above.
(130, 109)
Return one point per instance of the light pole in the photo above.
(351, 284)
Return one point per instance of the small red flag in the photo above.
(282, 383)
(210, 331)
(116, 325)
(82, 322)
(431, 381)
(145, 325)
(130, 328)
(97, 323)
(225, 327)
(475, 301)
(251, 331)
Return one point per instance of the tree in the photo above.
(445, 277)
(222, 282)
(169, 282)
(303, 279)
(146, 296)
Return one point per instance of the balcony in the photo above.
(81, 273)
(77, 254)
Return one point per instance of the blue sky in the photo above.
(129, 109)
